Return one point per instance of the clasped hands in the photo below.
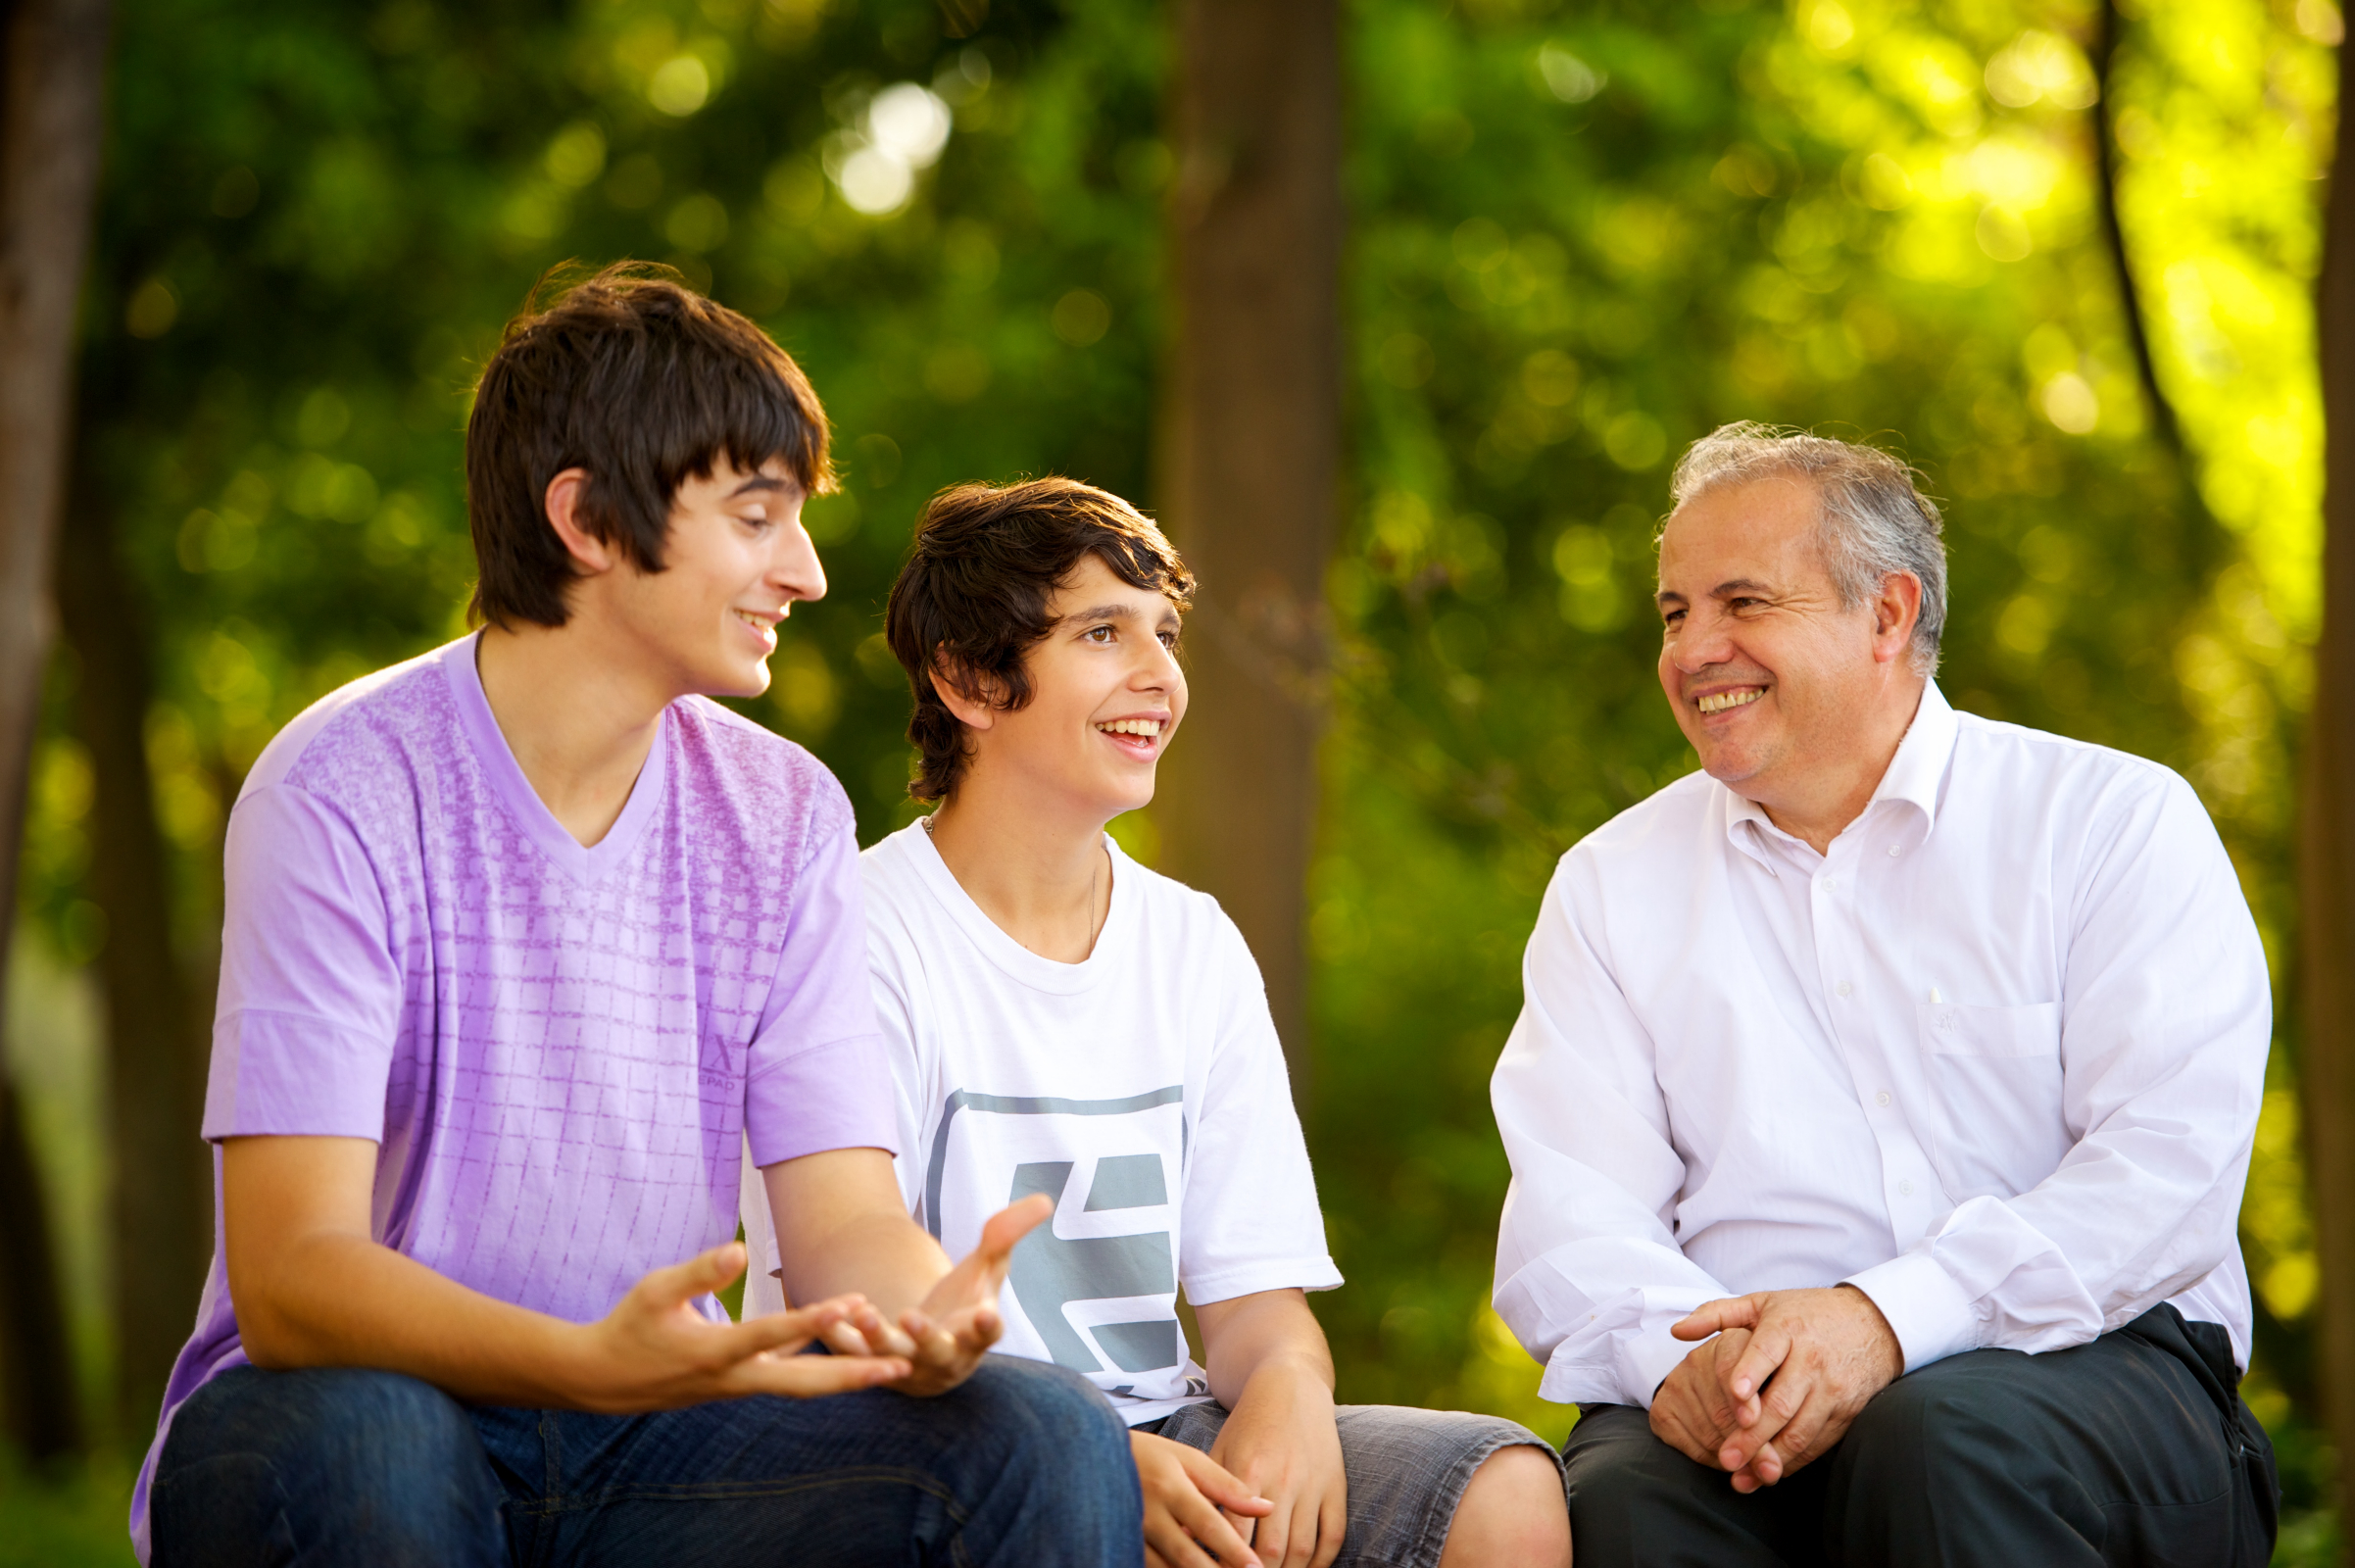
(1778, 1379)
(655, 1351)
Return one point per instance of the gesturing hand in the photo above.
(944, 1340)
(1812, 1361)
(1184, 1490)
(654, 1351)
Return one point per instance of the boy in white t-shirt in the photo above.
(1063, 1020)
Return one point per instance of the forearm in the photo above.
(838, 1235)
(338, 1299)
(1271, 1339)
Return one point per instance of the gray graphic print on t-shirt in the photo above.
(1050, 1272)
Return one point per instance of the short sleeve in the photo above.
(1250, 1220)
(818, 1079)
(309, 1003)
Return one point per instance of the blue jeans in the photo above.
(1026, 1464)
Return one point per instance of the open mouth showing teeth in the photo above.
(756, 622)
(1146, 728)
(1720, 702)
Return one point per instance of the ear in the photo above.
(591, 555)
(1896, 609)
(973, 712)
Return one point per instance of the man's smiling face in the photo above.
(1767, 673)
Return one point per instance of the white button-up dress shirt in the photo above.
(1994, 1059)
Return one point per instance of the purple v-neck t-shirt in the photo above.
(559, 1050)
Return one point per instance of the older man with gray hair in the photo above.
(1883, 1094)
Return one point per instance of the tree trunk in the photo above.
(161, 1202)
(2327, 1080)
(1250, 445)
(52, 74)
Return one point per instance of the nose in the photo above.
(1699, 642)
(794, 569)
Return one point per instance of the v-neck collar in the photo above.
(586, 864)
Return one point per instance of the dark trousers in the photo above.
(1023, 1465)
(2134, 1450)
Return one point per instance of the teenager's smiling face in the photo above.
(1767, 673)
(1107, 695)
(735, 562)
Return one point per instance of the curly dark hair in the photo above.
(971, 600)
(642, 382)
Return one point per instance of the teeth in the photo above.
(1132, 727)
(1721, 700)
(751, 620)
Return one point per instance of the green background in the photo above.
(1579, 235)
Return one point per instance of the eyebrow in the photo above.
(1123, 613)
(759, 481)
(1734, 586)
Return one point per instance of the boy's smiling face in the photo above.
(1107, 695)
(734, 562)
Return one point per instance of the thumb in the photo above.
(1011, 1224)
(1715, 1317)
(704, 1272)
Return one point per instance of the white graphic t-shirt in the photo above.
(1144, 1090)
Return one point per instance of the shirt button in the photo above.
(1843, 988)
(1881, 1098)
(1830, 883)
(1893, 852)
(1904, 1188)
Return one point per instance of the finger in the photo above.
(1670, 1426)
(1274, 1533)
(1785, 1396)
(882, 1334)
(810, 1377)
(782, 1332)
(1803, 1437)
(1714, 1317)
(683, 1282)
(1009, 1226)
(1331, 1528)
(1211, 1530)
(1222, 1486)
(1747, 1372)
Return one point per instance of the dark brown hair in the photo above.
(640, 382)
(971, 601)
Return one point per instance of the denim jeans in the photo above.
(1026, 1464)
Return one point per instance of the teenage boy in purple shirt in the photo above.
(525, 940)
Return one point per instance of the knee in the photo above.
(1513, 1510)
(1046, 1412)
(337, 1453)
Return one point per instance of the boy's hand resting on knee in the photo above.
(1185, 1492)
(1282, 1443)
(654, 1351)
(1807, 1363)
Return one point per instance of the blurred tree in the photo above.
(1250, 452)
(2328, 862)
(52, 74)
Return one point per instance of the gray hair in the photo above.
(1876, 520)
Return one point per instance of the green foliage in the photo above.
(1582, 235)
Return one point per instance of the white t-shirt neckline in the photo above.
(1017, 961)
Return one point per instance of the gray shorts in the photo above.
(1406, 1468)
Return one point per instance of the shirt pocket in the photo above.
(1949, 1029)
(1995, 1075)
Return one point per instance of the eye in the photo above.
(1738, 604)
(1672, 619)
(1098, 634)
(1169, 640)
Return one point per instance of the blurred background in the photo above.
(2062, 256)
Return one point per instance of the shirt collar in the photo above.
(1916, 776)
